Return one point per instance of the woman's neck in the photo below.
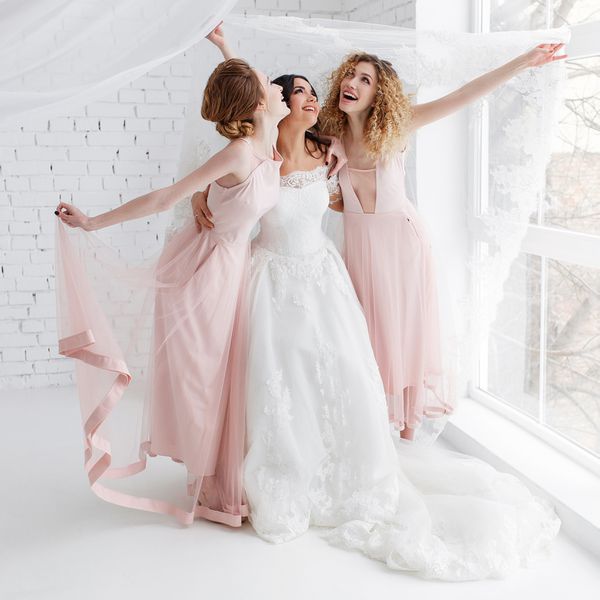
(290, 142)
(264, 137)
(355, 129)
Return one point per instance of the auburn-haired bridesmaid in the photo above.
(195, 398)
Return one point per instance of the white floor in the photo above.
(58, 541)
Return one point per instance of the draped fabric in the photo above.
(55, 54)
(425, 60)
(160, 353)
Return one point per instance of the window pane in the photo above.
(573, 353)
(573, 12)
(573, 175)
(510, 15)
(513, 362)
(506, 15)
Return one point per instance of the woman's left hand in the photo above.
(72, 216)
(202, 214)
(335, 150)
(542, 55)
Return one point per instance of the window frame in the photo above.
(546, 242)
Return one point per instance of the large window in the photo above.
(540, 361)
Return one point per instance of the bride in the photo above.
(319, 448)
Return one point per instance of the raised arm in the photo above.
(217, 37)
(233, 159)
(428, 112)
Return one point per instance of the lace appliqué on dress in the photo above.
(300, 179)
(319, 269)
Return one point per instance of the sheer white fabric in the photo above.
(60, 53)
(315, 47)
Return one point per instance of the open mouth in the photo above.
(310, 109)
(349, 96)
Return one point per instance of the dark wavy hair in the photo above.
(310, 135)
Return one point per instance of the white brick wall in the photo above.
(100, 155)
(401, 13)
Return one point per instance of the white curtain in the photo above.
(60, 53)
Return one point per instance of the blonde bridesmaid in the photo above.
(387, 251)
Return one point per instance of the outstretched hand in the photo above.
(543, 54)
(72, 216)
(217, 36)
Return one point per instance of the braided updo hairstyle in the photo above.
(231, 95)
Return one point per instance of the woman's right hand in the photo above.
(335, 151)
(202, 214)
(217, 37)
(72, 216)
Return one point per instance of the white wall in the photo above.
(442, 166)
(386, 12)
(110, 151)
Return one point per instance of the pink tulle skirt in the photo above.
(161, 352)
(389, 260)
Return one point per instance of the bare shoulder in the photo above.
(237, 154)
(239, 157)
(237, 150)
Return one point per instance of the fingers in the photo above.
(335, 169)
(66, 219)
(205, 208)
(203, 221)
(551, 48)
(62, 207)
(216, 32)
(329, 155)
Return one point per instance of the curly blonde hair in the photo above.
(386, 128)
(232, 93)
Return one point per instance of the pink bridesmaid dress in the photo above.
(186, 397)
(389, 259)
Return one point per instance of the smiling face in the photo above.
(358, 88)
(367, 88)
(303, 103)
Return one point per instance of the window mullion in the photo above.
(543, 339)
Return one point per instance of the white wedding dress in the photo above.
(319, 448)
